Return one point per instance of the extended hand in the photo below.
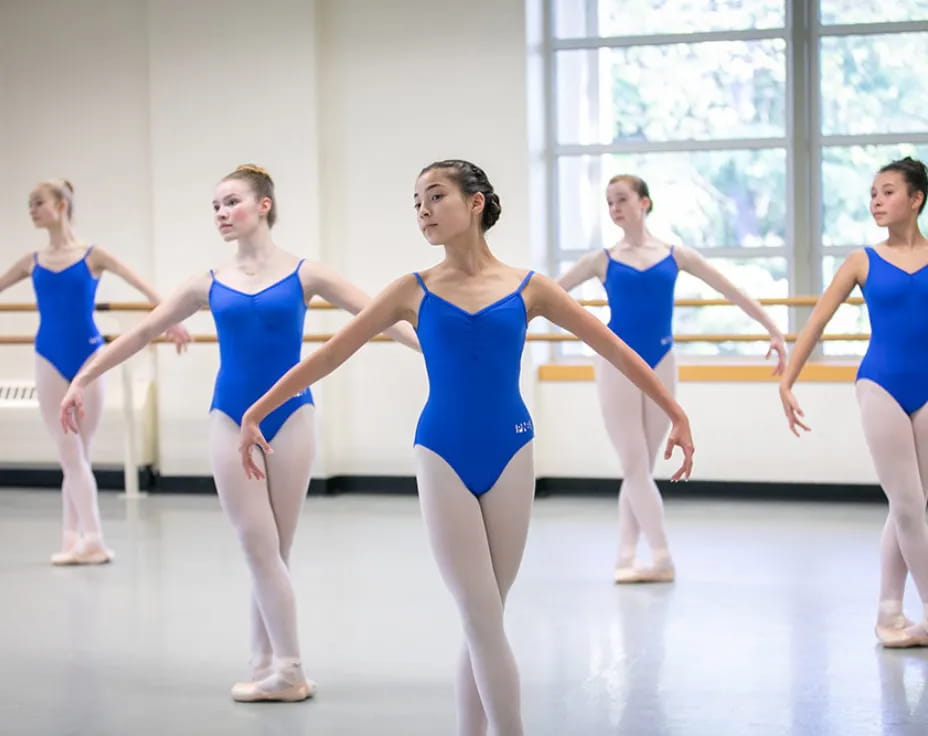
(778, 346)
(248, 438)
(72, 408)
(680, 436)
(792, 411)
(179, 336)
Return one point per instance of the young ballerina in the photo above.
(473, 444)
(258, 303)
(65, 276)
(639, 273)
(892, 383)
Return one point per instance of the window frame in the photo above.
(803, 140)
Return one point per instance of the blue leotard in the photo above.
(67, 334)
(260, 338)
(474, 417)
(641, 305)
(897, 356)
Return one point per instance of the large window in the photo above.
(758, 125)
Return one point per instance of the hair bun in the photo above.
(492, 210)
(254, 169)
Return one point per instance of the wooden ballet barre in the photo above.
(787, 301)
(709, 337)
(131, 306)
(791, 301)
(531, 337)
(28, 339)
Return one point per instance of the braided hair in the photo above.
(915, 175)
(471, 179)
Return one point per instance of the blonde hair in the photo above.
(261, 184)
(62, 190)
(638, 185)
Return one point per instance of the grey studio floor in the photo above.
(768, 629)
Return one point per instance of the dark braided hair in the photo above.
(471, 179)
(915, 175)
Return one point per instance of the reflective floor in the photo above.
(768, 630)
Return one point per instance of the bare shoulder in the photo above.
(97, 253)
(406, 290)
(597, 255)
(595, 262)
(541, 291)
(857, 256)
(400, 298)
(24, 263)
(195, 289)
(99, 259)
(540, 283)
(856, 265)
(311, 273)
(683, 254)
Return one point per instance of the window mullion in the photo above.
(803, 156)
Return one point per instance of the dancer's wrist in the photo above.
(251, 416)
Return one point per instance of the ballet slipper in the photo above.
(84, 555)
(63, 558)
(251, 692)
(887, 632)
(911, 636)
(628, 575)
(69, 543)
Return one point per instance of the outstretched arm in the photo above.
(851, 273)
(106, 261)
(337, 290)
(17, 272)
(692, 262)
(187, 300)
(589, 266)
(383, 311)
(550, 301)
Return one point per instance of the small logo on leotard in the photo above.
(523, 427)
(667, 340)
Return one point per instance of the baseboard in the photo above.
(842, 492)
(317, 486)
(112, 479)
(205, 484)
(108, 478)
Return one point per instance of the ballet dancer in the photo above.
(65, 275)
(639, 273)
(473, 444)
(892, 383)
(258, 303)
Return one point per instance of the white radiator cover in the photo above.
(27, 442)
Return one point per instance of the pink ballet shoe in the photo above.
(628, 575)
(889, 632)
(81, 555)
(251, 692)
(63, 558)
(911, 636)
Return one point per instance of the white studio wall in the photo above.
(145, 105)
